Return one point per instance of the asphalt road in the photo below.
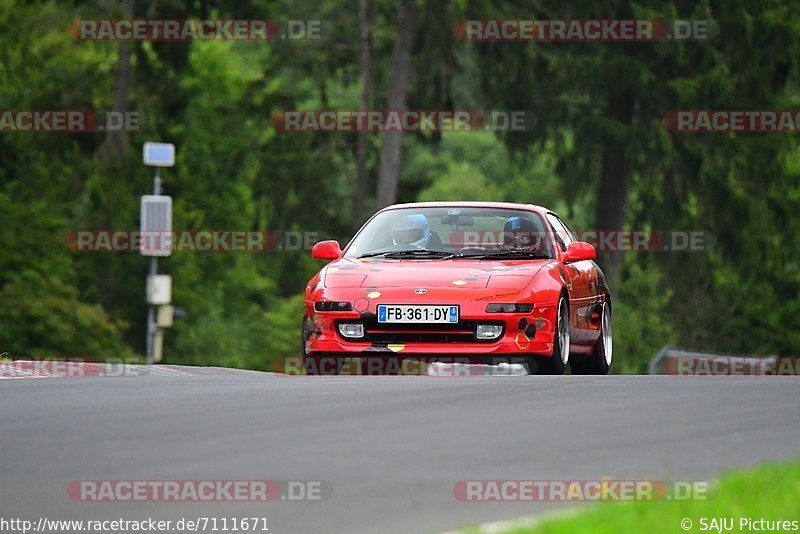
(391, 448)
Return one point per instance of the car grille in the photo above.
(461, 332)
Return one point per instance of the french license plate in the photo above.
(389, 313)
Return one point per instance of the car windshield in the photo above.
(452, 232)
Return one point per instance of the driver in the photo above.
(522, 233)
(413, 230)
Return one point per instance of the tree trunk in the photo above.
(365, 72)
(393, 141)
(614, 177)
(118, 141)
(114, 151)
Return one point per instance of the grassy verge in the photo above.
(770, 492)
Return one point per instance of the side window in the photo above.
(563, 236)
(570, 233)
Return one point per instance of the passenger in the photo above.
(413, 230)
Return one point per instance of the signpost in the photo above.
(156, 227)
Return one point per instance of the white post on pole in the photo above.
(156, 228)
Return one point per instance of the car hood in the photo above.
(431, 273)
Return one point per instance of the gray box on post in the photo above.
(156, 225)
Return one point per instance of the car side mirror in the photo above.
(579, 251)
(327, 250)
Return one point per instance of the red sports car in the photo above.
(477, 282)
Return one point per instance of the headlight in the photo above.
(488, 331)
(351, 330)
(509, 308)
(332, 305)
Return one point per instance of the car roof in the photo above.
(470, 203)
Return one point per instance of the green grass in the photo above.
(769, 491)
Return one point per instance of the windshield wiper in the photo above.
(410, 253)
(506, 254)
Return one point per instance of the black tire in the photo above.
(596, 363)
(555, 364)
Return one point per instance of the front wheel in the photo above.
(600, 360)
(556, 363)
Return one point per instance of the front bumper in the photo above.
(524, 334)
